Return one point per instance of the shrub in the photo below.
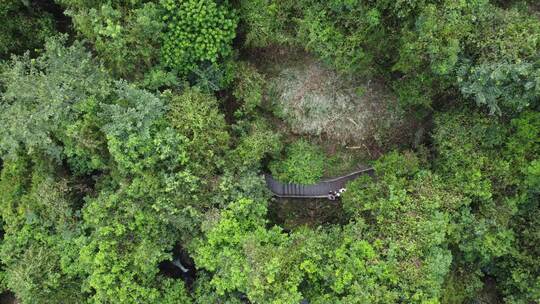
(342, 35)
(265, 21)
(303, 164)
(257, 141)
(504, 35)
(248, 89)
(197, 32)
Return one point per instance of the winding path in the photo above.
(323, 189)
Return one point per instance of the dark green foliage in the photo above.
(197, 32)
(303, 164)
(503, 87)
(339, 32)
(419, 46)
(505, 46)
(24, 27)
(504, 36)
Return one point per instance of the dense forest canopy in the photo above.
(134, 136)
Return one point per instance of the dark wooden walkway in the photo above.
(319, 190)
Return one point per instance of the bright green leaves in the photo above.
(132, 163)
(198, 32)
(126, 244)
(244, 256)
(401, 255)
(144, 40)
(39, 226)
(303, 164)
(35, 271)
(241, 225)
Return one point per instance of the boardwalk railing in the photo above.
(323, 189)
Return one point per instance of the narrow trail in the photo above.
(323, 189)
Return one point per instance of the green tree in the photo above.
(248, 89)
(502, 87)
(405, 206)
(197, 116)
(40, 226)
(125, 35)
(244, 256)
(49, 106)
(491, 163)
(198, 32)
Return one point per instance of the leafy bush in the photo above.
(248, 89)
(490, 163)
(36, 209)
(243, 255)
(403, 206)
(342, 34)
(197, 32)
(303, 164)
(504, 36)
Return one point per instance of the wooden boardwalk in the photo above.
(323, 189)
